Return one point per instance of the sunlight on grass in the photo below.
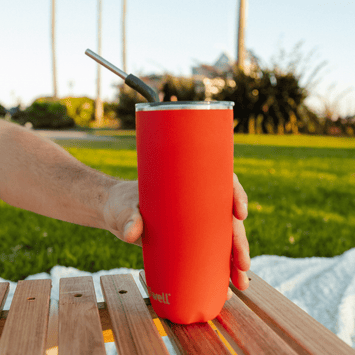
(115, 133)
(254, 162)
(256, 207)
(111, 157)
(317, 169)
(320, 214)
(323, 215)
(295, 140)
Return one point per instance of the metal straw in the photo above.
(106, 64)
(131, 80)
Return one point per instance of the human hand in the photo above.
(121, 212)
(240, 259)
(122, 207)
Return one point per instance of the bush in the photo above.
(80, 109)
(273, 99)
(110, 110)
(128, 98)
(45, 115)
(2, 111)
(184, 89)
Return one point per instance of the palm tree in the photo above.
(241, 28)
(124, 64)
(54, 71)
(99, 105)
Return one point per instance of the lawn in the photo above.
(301, 193)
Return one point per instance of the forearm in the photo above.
(40, 176)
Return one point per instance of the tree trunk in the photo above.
(251, 124)
(54, 70)
(241, 30)
(124, 63)
(99, 106)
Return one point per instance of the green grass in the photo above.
(295, 141)
(301, 193)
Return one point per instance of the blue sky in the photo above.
(167, 36)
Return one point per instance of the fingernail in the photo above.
(247, 250)
(245, 206)
(246, 279)
(127, 226)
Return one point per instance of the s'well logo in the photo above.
(162, 298)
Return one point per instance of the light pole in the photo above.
(99, 105)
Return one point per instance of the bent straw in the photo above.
(131, 80)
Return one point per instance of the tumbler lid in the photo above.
(185, 105)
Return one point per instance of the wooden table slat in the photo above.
(133, 328)
(80, 330)
(196, 338)
(25, 330)
(248, 331)
(4, 291)
(301, 331)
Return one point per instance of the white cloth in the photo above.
(322, 287)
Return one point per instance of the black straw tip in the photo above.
(141, 87)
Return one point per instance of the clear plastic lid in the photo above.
(185, 105)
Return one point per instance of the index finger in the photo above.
(240, 200)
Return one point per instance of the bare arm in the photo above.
(38, 175)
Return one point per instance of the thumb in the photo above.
(133, 230)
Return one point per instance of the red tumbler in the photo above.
(185, 179)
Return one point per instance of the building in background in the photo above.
(210, 78)
(223, 64)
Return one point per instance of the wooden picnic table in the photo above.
(258, 321)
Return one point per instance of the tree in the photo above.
(272, 98)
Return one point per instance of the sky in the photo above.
(170, 37)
